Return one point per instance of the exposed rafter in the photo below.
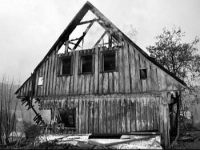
(84, 33)
(89, 21)
(102, 36)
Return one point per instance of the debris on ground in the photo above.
(84, 142)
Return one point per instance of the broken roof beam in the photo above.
(102, 36)
(110, 31)
(84, 33)
(89, 21)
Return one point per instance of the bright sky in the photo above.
(29, 28)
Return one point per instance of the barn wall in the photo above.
(125, 79)
(111, 113)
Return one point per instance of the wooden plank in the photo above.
(137, 71)
(148, 113)
(45, 78)
(54, 74)
(92, 116)
(104, 115)
(75, 71)
(77, 115)
(101, 109)
(126, 68)
(116, 82)
(91, 87)
(138, 112)
(148, 81)
(154, 114)
(42, 75)
(165, 116)
(132, 68)
(80, 115)
(96, 115)
(51, 76)
(96, 70)
(157, 113)
(87, 84)
(88, 21)
(58, 77)
(151, 113)
(133, 114)
(82, 84)
(128, 114)
(79, 84)
(105, 82)
(123, 113)
(89, 116)
(100, 83)
(83, 116)
(108, 114)
(121, 70)
(119, 118)
(143, 114)
(86, 124)
(71, 87)
(151, 78)
(112, 114)
(110, 82)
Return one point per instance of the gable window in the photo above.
(86, 64)
(109, 62)
(66, 68)
(143, 74)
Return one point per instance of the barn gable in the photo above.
(130, 51)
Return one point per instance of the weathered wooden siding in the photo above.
(126, 79)
(111, 113)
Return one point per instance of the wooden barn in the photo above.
(111, 87)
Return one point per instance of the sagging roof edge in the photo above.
(88, 6)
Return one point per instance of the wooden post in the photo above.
(66, 46)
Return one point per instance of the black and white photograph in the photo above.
(99, 74)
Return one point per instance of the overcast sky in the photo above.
(28, 28)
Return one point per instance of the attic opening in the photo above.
(89, 33)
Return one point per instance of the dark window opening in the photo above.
(86, 64)
(68, 117)
(143, 74)
(109, 62)
(66, 66)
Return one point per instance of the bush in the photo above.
(32, 131)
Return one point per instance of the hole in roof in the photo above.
(91, 37)
(89, 16)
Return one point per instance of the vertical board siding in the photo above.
(113, 114)
(126, 78)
